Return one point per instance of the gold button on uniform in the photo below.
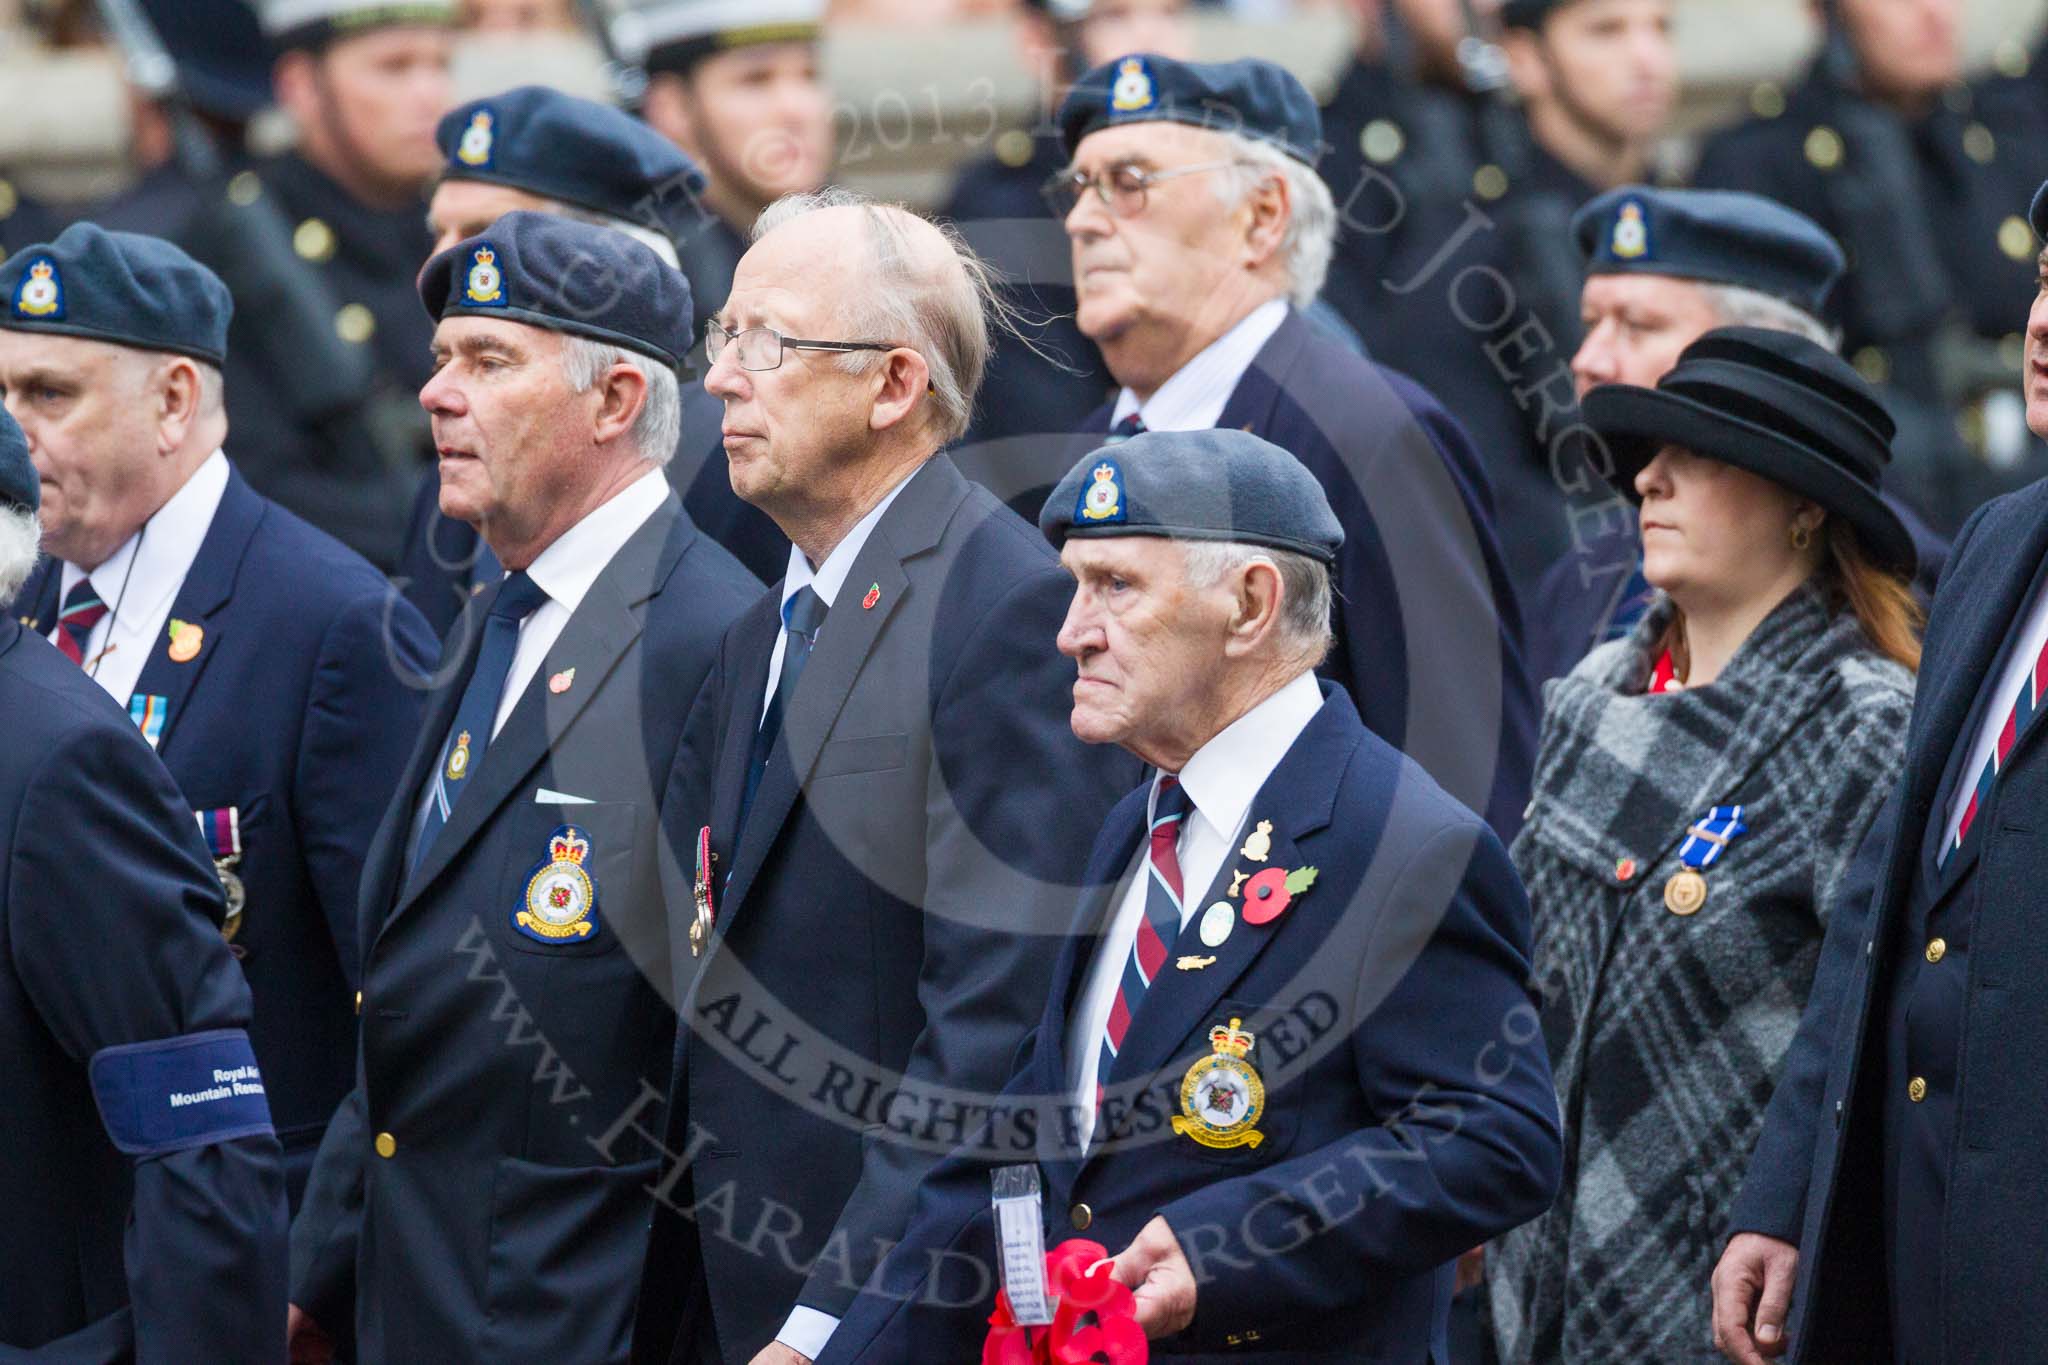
(1490, 182)
(387, 1146)
(1382, 141)
(1937, 949)
(1824, 148)
(245, 189)
(9, 200)
(354, 323)
(1014, 148)
(313, 240)
(2011, 58)
(359, 1002)
(1979, 145)
(1766, 100)
(1082, 1216)
(2016, 238)
(1873, 364)
(1916, 1089)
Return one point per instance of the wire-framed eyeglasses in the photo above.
(761, 348)
(1123, 188)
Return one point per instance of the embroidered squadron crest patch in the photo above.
(40, 294)
(561, 895)
(1631, 237)
(484, 286)
(1222, 1097)
(1102, 498)
(1134, 90)
(474, 148)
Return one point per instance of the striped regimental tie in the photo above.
(1159, 928)
(2031, 702)
(82, 611)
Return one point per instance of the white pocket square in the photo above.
(544, 797)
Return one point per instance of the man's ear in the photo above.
(1528, 71)
(622, 394)
(177, 394)
(1255, 608)
(902, 382)
(669, 110)
(1272, 208)
(292, 79)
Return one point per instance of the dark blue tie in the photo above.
(802, 615)
(467, 739)
(1132, 425)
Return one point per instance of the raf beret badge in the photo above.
(561, 896)
(1134, 89)
(41, 291)
(1102, 498)
(1631, 238)
(484, 286)
(474, 148)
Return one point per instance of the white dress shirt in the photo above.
(140, 581)
(2005, 689)
(1222, 779)
(1194, 399)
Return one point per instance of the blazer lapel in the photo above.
(201, 601)
(35, 606)
(1252, 402)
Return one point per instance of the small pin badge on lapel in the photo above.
(1259, 842)
(476, 589)
(1237, 882)
(186, 638)
(1193, 964)
(874, 595)
(1217, 922)
(29, 621)
(562, 682)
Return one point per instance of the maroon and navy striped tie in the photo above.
(81, 612)
(2032, 700)
(1156, 931)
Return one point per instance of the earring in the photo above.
(1801, 536)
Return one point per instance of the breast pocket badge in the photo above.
(1222, 1097)
(561, 895)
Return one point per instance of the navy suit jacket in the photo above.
(887, 912)
(1429, 628)
(298, 712)
(1409, 1111)
(1816, 1178)
(110, 935)
(492, 1225)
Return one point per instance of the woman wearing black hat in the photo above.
(1701, 788)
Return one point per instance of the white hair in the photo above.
(20, 535)
(944, 310)
(1311, 212)
(1738, 306)
(1306, 596)
(660, 423)
(658, 242)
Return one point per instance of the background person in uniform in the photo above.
(274, 672)
(514, 906)
(1884, 145)
(1195, 249)
(898, 802)
(1700, 795)
(1889, 1202)
(364, 83)
(1311, 904)
(538, 149)
(136, 1230)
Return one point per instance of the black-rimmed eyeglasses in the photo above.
(761, 348)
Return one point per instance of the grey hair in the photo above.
(1307, 598)
(945, 314)
(658, 242)
(20, 535)
(660, 423)
(1311, 212)
(1738, 306)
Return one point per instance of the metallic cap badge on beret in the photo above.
(674, 35)
(1719, 236)
(310, 23)
(19, 483)
(120, 287)
(579, 152)
(1772, 403)
(552, 272)
(1195, 485)
(1255, 98)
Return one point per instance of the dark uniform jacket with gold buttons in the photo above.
(1667, 1029)
(1407, 1109)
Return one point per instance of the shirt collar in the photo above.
(138, 580)
(1224, 776)
(828, 578)
(567, 567)
(1193, 398)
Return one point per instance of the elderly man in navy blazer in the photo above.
(1200, 230)
(273, 670)
(1894, 1204)
(1288, 1069)
(144, 1196)
(899, 810)
(514, 914)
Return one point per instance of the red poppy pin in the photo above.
(1270, 891)
(874, 595)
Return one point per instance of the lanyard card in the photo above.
(1020, 1226)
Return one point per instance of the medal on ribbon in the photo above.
(561, 895)
(222, 830)
(149, 713)
(1221, 1096)
(700, 927)
(1705, 840)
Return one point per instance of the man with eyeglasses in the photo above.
(900, 811)
(1199, 232)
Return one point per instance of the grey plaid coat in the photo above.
(1666, 1031)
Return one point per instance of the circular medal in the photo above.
(237, 897)
(1217, 922)
(1685, 893)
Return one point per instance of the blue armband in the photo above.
(174, 1093)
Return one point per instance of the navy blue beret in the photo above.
(1720, 236)
(553, 272)
(1219, 484)
(1255, 98)
(573, 150)
(223, 62)
(121, 287)
(2037, 212)
(18, 482)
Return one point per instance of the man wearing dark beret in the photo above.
(274, 671)
(1893, 1205)
(1288, 1069)
(515, 932)
(144, 1194)
(1199, 230)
